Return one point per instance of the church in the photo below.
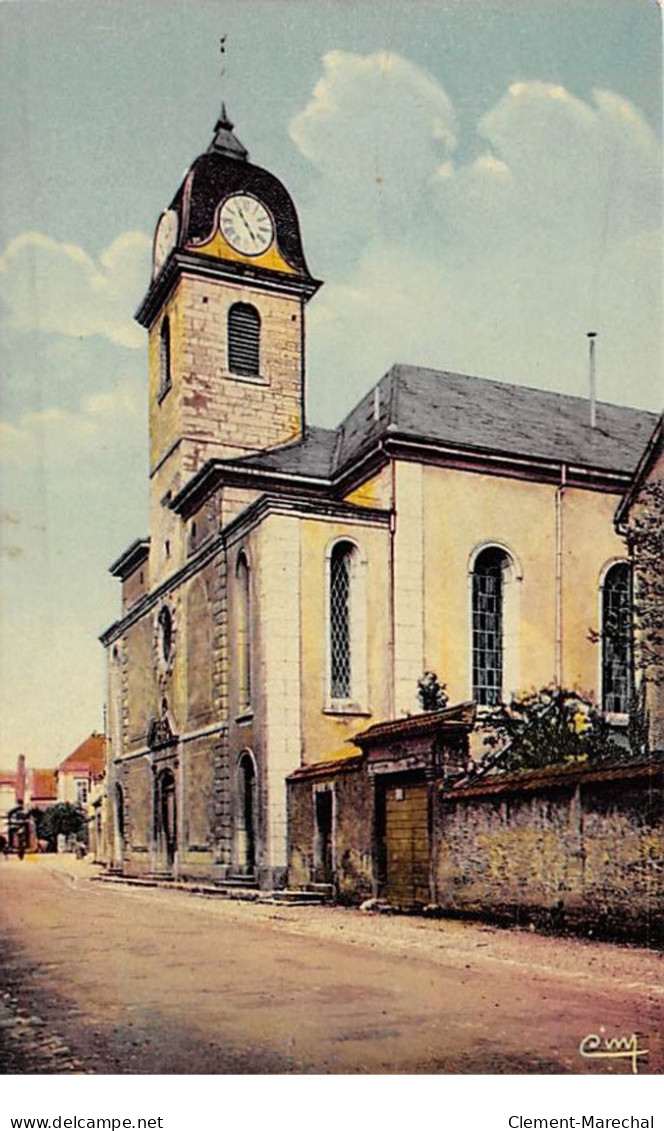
(298, 581)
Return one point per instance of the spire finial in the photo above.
(224, 140)
(224, 122)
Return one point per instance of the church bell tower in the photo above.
(225, 317)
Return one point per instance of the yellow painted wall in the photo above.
(374, 492)
(590, 544)
(463, 510)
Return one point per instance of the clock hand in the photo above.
(244, 221)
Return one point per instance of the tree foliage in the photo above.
(547, 727)
(645, 537)
(62, 819)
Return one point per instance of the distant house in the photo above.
(33, 789)
(7, 797)
(80, 772)
(41, 789)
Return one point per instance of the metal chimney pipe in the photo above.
(591, 335)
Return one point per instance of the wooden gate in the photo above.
(407, 845)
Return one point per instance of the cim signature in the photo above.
(594, 1047)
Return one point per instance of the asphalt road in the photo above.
(114, 979)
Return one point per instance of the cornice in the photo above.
(330, 510)
(149, 600)
(505, 464)
(130, 559)
(301, 507)
(202, 266)
(218, 473)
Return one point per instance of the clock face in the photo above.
(246, 224)
(165, 239)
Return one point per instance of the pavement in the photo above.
(110, 978)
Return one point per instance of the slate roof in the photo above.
(488, 415)
(477, 413)
(313, 456)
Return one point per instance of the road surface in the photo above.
(115, 979)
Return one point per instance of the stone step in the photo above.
(237, 882)
(299, 897)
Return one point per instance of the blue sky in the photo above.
(478, 184)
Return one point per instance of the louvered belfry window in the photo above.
(488, 626)
(340, 627)
(616, 639)
(244, 333)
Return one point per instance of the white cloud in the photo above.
(59, 288)
(496, 265)
(374, 125)
(55, 436)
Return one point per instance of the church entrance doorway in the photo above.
(245, 823)
(166, 819)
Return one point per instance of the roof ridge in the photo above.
(395, 385)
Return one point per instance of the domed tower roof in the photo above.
(191, 225)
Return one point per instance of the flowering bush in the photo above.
(545, 727)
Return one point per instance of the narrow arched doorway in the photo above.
(166, 818)
(245, 816)
(119, 823)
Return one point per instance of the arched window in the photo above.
(246, 803)
(119, 812)
(165, 622)
(244, 332)
(164, 357)
(346, 627)
(243, 633)
(617, 639)
(489, 571)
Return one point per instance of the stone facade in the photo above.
(363, 824)
(338, 856)
(573, 846)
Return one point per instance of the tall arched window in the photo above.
(246, 805)
(164, 357)
(489, 571)
(244, 332)
(243, 632)
(119, 812)
(617, 638)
